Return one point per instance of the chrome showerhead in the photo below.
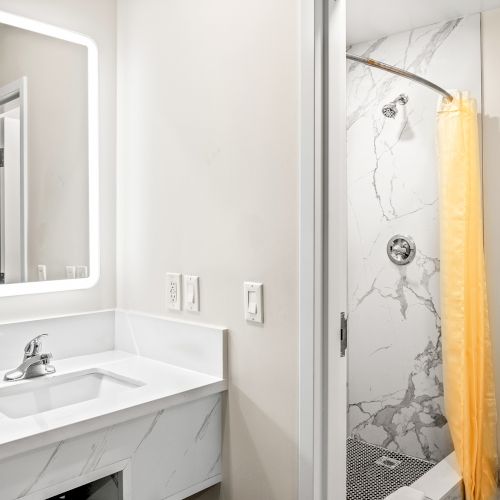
(390, 110)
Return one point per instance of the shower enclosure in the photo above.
(370, 276)
(395, 376)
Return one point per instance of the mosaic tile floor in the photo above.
(373, 472)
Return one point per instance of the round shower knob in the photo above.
(401, 249)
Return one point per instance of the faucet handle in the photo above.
(34, 346)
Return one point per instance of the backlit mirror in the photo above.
(48, 158)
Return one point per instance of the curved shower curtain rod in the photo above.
(400, 72)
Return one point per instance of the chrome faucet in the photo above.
(35, 364)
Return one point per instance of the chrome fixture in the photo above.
(391, 110)
(400, 72)
(35, 364)
(401, 250)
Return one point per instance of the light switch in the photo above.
(70, 272)
(253, 302)
(192, 293)
(42, 272)
(82, 272)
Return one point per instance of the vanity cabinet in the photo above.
(170, 454)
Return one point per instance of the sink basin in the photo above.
(51, 392)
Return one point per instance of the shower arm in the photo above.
(400, 72)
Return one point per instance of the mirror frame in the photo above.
(35, 287)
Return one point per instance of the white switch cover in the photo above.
(42, 272)
(174, 291)
(192, 293)
(253, 302)
(70, 272)
(82, 272)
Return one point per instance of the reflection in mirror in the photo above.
(44, 157)
(13, 264)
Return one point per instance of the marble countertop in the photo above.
(164, 385)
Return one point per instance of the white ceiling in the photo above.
(372, 19)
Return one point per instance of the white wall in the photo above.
(96, 18)
(491, 175)
(208, 163)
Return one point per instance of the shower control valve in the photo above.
(401, 250)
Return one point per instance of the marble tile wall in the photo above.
(395, 349)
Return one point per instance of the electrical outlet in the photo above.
(173, 291)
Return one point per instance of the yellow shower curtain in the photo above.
(467, 352)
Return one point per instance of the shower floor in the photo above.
(373, 472)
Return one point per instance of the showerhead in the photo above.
(390, 110)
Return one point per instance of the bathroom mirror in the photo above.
(48, 158)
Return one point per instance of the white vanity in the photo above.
(146, 403)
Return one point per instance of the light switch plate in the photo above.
(173, 291)
(70, 272)
(253, 301)
(82, 272)
(42, 272)
(192, 293)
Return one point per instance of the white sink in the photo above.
(47, 393)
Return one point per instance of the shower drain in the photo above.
(388, 463)
(373, 472)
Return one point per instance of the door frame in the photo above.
(18, 90)
(323, 251)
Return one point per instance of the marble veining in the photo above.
(37, 478)
(206, 422)
(395, 347)
(170, 451)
